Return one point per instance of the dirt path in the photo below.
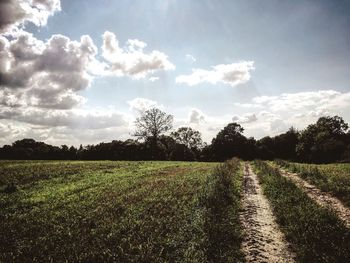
(322, 198)
(262, 239)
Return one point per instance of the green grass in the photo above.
(118, 211)
(332, 178)
(315, 233)
(222, 202)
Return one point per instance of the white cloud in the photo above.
(245, 118)
(278, 126)
(190, 58)
(206, 124)
(246, 105)
(63, 135)
(11, 131)
(74, 119)
(14, 14)
(132, 60)
(141, 104)
(278, 113)
(272, 115)
(153, 79)
(196, 116)
(298, 101)
(231, 74)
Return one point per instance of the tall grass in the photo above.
(316, 234)
(221, 200)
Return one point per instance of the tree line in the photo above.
(327, 140)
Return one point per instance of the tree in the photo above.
(324, 141)
(230, 142)
(281, 146)
(152, 123)
(265, 148)
(188, 137)
(285, 144)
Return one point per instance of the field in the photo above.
(123, 211)
(107, 211)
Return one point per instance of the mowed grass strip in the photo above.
(332, 178)
(221, 200)
(124, 212)
(316, 234)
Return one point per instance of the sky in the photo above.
(80, 72)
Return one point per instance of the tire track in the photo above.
(322, 198)
(262, 239)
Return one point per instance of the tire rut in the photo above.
(321, 198)
(262, 239)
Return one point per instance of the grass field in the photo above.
(332, 178)
(117, 211)
(121, 211)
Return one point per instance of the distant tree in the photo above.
(188, 137)
(285, 144)
(265, 148)
(168, 144)
(65, 152)
(72, 153)
(154, 149)
(229, 142)
(182, 153)
(152, 123)
(281, 146)
(334, 126)
(327, 140)
(324, 141)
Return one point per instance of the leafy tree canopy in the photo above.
(188, 137)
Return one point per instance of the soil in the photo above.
(262, 239)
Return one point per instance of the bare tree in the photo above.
(152, 123)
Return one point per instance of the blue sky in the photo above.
(298, 50)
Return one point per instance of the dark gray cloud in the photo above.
(45, 74)
(15, 13)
